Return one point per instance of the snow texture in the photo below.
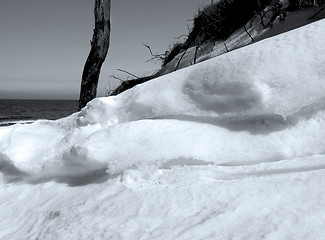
(230, 148)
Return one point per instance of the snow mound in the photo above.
(267, 77)
(250, 105)
(231, 148)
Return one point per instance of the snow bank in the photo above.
(267, 77)
(249, 105)
(231, 148)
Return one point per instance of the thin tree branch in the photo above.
(159, 57)
(118, 78)
(121, 70)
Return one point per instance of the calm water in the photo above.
(13, 111)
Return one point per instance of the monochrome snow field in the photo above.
(230, 148)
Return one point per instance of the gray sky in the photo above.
(44, 43)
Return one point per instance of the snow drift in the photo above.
(249, 105)
(254, 116)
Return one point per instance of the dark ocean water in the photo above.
(24, 111)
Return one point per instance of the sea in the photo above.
(27, 111)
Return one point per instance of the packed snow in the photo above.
(230, 148)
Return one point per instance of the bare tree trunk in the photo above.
(98, 52)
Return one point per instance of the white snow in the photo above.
(230, 148)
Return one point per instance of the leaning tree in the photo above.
(98, 52)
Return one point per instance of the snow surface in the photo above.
(230, 148)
